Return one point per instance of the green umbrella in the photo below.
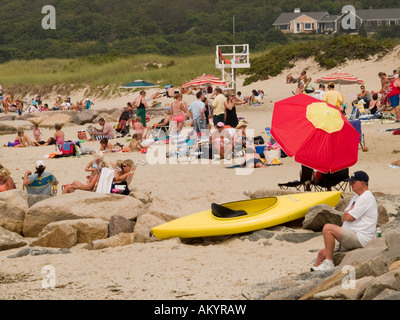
(139, 84)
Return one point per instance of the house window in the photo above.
(379, 23)
(308, 26)
(284, 27)
(392, 22)
(367, 23)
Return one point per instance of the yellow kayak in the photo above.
(245, 216)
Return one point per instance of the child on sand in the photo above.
(107, 146)
(139, 128)
(36, 133)
(135, 145)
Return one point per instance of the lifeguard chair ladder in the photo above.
(229, 58)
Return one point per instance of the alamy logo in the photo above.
(349, 280)
(49, 21)
(349, 20)
(49, 277)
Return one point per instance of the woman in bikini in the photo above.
(58, 135)
(21, 140)
(90, 186)
(178, 111)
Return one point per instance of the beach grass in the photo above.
(106, 71)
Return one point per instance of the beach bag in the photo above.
(82, 135)
(120, 188)
(67, 148)
(272, 156)
(258, 140)
(396, 132)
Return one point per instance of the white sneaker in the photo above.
(326, 265)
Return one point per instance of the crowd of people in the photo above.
(385, 98)
(216, 115)
(36, 104)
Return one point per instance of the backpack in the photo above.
(396, 132)
(67, 148)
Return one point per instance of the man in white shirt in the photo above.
(320, 92)
(358, 228)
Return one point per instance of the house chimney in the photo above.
(296, 10)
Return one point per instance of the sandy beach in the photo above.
(170, 269)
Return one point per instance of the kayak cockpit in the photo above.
(224, 212)
(242, 208)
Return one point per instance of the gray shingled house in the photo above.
(322, 22)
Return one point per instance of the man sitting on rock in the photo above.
(358, 228)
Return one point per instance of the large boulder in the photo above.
(372, 289)
(10, 240)
(119, 224)
(84, 117)
(79, 205)
(119, 240)
(59, 118)
(62, 236)
(87, 230)
(13, 207)
(10, 127)
(319, 215)
(143, 227)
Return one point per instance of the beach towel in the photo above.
(105, 181)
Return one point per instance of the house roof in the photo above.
(379, 14)
(368, 14)
(329, 18)
(286, 17)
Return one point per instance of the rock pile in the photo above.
(99, 220)
(369, 273)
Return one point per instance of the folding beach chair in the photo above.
(39, 186)
(185, 149)
(305, 181)
(357, 125)
(355, 113)
(333, 180)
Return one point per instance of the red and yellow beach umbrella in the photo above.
(315, 133)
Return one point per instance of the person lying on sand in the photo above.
(107, 146)
(252, 159)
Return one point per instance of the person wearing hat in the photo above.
(359, 224)
(333, 97)
(40, 182)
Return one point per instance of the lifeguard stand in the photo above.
(229, 58)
